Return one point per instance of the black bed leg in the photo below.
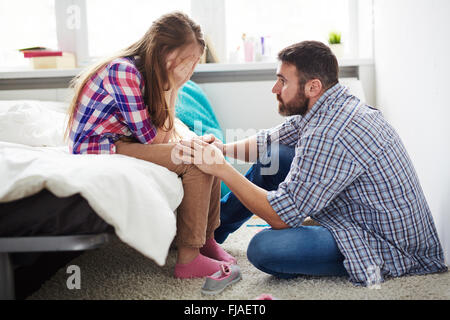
(6, 277)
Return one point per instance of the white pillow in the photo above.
(33, 123)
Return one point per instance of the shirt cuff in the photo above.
(262, 142)
(285, 207)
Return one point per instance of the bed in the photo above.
(138, 199)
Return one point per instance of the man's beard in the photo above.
(298, 105)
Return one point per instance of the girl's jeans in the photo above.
(306, 250)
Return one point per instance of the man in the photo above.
(338, 162)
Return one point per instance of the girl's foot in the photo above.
(213, 250)
(200, 267)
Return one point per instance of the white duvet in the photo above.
(138, 198)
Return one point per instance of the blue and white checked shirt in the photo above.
(352, 174)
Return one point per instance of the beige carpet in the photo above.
(120, 272)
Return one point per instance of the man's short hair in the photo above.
(314, 60)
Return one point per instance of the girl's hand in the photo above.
(180, 73)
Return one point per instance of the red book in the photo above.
(41, 53)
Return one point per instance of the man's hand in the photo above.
(206, 156)
(202, 152)
(212, 139)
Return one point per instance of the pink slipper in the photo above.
(213, 250)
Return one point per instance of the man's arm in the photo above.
(252, 197)
(210, 159)
(244, 150)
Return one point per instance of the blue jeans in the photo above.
(307, 250)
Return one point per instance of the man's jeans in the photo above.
(306, 250)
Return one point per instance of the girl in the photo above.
(126, 105)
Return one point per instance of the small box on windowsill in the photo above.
(46, 59)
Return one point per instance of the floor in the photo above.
(36, 269)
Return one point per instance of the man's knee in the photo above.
(258, 251)
(286, 155)
(279, 155)
(274, 169)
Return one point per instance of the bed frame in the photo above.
(40, 244)
(28, 237)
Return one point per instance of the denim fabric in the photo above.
(306, 250)
(352, 174)
(309, 250)
(232, 212)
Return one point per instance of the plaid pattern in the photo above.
(111, 105)
(353, 175)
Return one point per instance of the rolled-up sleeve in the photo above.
(286, 133)
(125, 84)
(321, 169)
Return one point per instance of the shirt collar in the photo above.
(324, 102)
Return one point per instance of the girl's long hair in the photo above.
(169, 32)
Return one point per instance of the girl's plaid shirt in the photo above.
(111, 105)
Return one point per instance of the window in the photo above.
(115, 24)
(25, 23)
(103, 27)
(285, 22)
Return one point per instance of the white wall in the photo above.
(243, 108)
(244, 105)
(412, 69)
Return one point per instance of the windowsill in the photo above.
(253, 66)
(18, 79)
(23, 73)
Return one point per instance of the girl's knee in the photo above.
(191, 170)
(197, 179)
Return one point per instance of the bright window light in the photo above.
(285, 22)
(111, 25)
(116, 24)
(23, 24)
